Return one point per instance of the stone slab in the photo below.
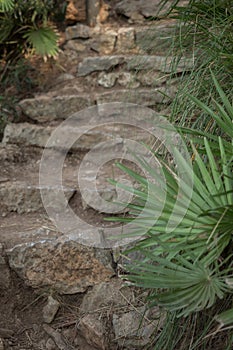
(47, 108)
(132, 63)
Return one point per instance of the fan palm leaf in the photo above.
(43, 40)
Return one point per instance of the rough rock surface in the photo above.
(144, 97)
(95, 331)
(133, 329)
(125, 324)
(22, 197)
(106, 294)
(146, 8)
(92, 64)
(36, 135)
(67, 267)
(104, 42)
(5, 278)
(142, 62)
(26, 134)
(125, 40)
(155, 39)
(107, 80)
(78, 31)
(48, 108)
(50, 309)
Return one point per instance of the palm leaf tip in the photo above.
(225, 318)
(44, 40)
(6, 5)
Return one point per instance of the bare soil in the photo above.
(21, 320)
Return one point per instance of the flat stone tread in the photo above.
(26, 228)
(26, 173)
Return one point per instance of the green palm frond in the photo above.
(6, 5)
(187, 247)
(44, 41)
(180, 285)
(6, 28)
(209, 214)
(225, 318)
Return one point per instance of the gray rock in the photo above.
(2, 347)
(107, 295)
(57, 337)
(144, 97)
(27, 134)
(34, 135)
(47, 108)
(136, 18)
(50, 309)
(50, 344)
(107, 80)
(124, 261)
(78, 31)
(156, 39)
(104, 42)
(146, 8)
(128, 80)
(132, 62)
(133, 329)
(65, 266)
(23, 197)
(126, 328)
(152, 78)
(75, 45)
(92, 64)
(94, 331)
(158, 63)
(125, 40)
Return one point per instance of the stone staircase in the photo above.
(128, 63)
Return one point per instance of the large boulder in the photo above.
(64, 266)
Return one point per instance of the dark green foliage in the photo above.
(204, 32)
(25, 26)
(189, 266)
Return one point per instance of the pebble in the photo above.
(50, 309)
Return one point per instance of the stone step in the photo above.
(117, 135)
(82, 183)
(47, 259)
(133, 63)
(151, 37)
(23, 197)
(20, 190)
(85, 134)
(153, 97)
(136, 9)
(47, 108)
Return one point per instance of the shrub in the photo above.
(25, 27)
(189, 267)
